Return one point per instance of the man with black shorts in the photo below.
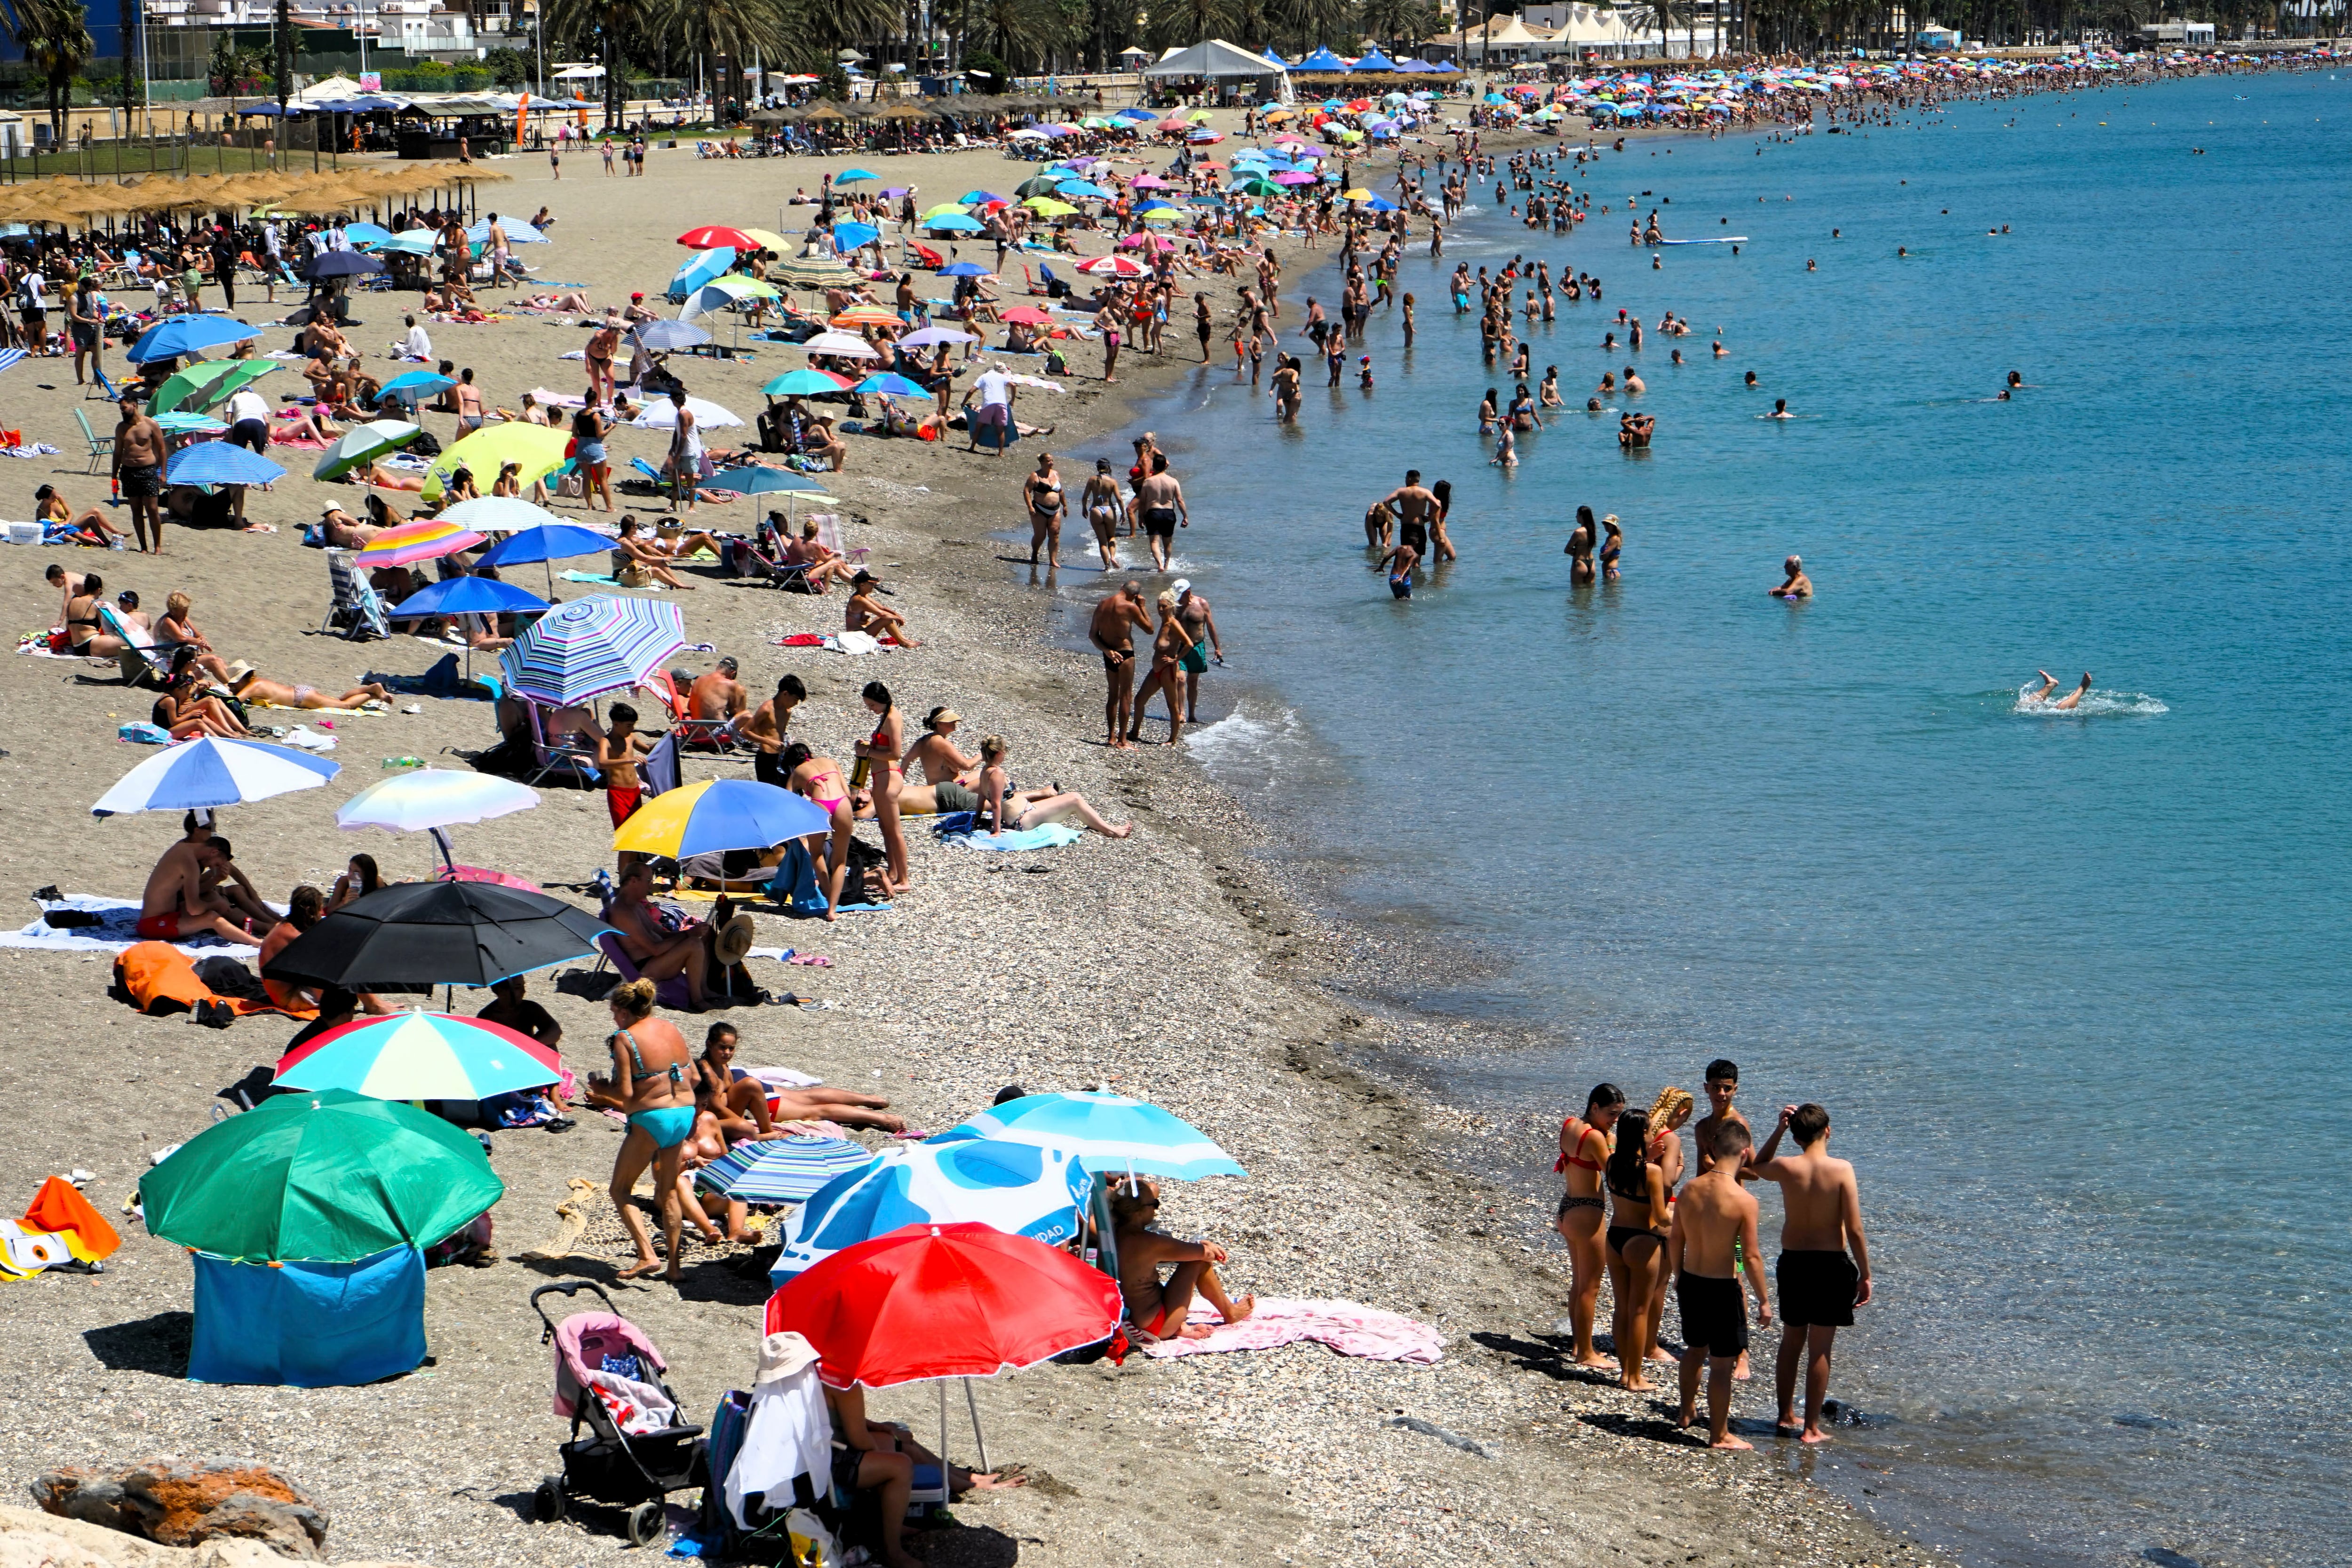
(139, 456)
(33, 294)
(1112, 631)
(1824, 1268)
(1715, 1221)
(85, 322)
(1160, 502)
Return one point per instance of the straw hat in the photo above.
(733, 941)
(782, 1355)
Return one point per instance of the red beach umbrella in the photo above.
(944, 1300)
(1028, 315)
(1115, 267)
(712, 236)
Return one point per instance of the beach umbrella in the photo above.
(411, 242)
(944, 1300)
(961, 269)
(1028, 315)
(721, 293)
(189, 424)
(419, 1055)
(843, 345)
(591, 646)
(864, 316)
(805, 383)
(930, 337)
(214, 772)
(850, 236)
(553, 541)
(1071, 189)
(1049, 207)
(1037, 185)
(668, 336)
(811, 272)
(957, 223)
(433, 800)
(516, 231)
(411, 386)
(220, 463)
(499, 514)
(853, 176)
(718, 814)
(468, 595)
(363, 445)
(183, 334)
(662, 415)
(1114, 267)
(1104, 1133)
(366, 233)
(207, 384)
(975, 198)
(537, 448)
(718, 236)
(889, 385)
(944, 210)
(752, 479)
(780, 1170)
(1015, 1189)
(342, 264)
(325, 1177)
(704, 267)
(770, 240)
(428, 538)
(414, 936)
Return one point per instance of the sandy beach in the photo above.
(1174, 965)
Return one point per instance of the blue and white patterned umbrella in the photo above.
(1105, 1133)
(220, 463)
(782, 1170)
(592, 646)
(1018, 1188)
(214, 772)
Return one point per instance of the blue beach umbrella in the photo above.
(185, 424)
(1020, 1189)
(1082, 188)
(780, 1170)
(1104, 1133)
(851, 176)
(414, 385)
(214, 772)
(184, 335)
(412, 242)
(889, 385)
(366, 233)
(518, 232)
(973, 198)
(466, 596)
(667, 337)
(342, 264)
(220, 463)
(802, 384)
(847, 237)
(699, 270)
(592, 646)
(554, 541)
(963, 269)
(953, 222)
(757, 481)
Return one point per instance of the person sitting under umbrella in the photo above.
(883, 1457)
(1161, 1310)
(659, 951)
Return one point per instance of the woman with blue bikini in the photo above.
(653, 1084)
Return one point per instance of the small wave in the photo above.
(2095, 704)
(1247, 746)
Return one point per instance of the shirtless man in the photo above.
(765, 730)
(1415, 507)
(1112, 631)
(1722, 1088)
(1714, 1228)
(139, 457)
(867, 613)
(618, 751)
(659, 955)
(1160, 502)
(1200, 626)
(719, 694)
(176, 903)
(1798, 586)
(2049, 684)
(1158, 1310)
(1824, 1268)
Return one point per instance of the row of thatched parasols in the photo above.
(76, 203)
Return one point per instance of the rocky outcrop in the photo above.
(176, 1503)
(33, 1539)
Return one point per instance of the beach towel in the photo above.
(1045, 836)
(59, 1210)
(1347, 1327)
(159, 978)
(117, 930)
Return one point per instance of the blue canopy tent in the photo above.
(1375, 61)
(1321, 60)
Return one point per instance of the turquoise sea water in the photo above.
(2074, 987)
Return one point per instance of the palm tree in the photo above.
(1182, 21)
(56, 43)
(732, 30)
(1404, 22)
(599, 23)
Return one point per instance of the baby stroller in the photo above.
(639, 1449)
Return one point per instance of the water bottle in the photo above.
(403, 762)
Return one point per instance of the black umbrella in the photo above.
(342, 264)
(419, 934)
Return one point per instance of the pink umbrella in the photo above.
(1294, 177)
(1148, 182)
(483, 873)
(1138, 242)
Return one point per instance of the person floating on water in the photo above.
(2049, 684)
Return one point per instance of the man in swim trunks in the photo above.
(1399, 564)
(766, 731)
(1714, 1227)
(1199, 628)
(139, 457)
(1160, 502)
(176, 903)
(719, 694)
(1112, 631)
(1824, 1268)
(1415, 508)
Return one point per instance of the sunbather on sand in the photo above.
(1006, 808)
(740, 1101)
(867, 613)
(248, 686)
(643, 561)
(186, 709)
(176, 903)
(1160, 1310)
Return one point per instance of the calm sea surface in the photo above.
(2073, 987)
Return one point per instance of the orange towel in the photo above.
(160, 978)
(59, 1210)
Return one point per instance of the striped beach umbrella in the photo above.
(591, 646)
(420, 1055)
(717, 814)
(428, 538)
(1104, 1133)
(211, 772)
(780, 1170)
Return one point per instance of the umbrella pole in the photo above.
(943, 1438)
(978, 1442)
(441, 841)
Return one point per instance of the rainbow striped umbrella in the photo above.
(419, 1055)
(780, 1170)
(591, 646)
(423, 539)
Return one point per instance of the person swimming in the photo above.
(2049, 684)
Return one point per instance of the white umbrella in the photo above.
(848, 345)
(498, 515)
(662, 415)
(431, 799)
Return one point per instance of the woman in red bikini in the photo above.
(1584, 1149)
(887, 778)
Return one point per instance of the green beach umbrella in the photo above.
(944, 210)
(325, 1177)
(207, 382)
(1036, 186)
(1048, 207)
(365, 445)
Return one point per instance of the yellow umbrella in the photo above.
(535, 446)
(1197, 116)
(1357, 194)
(1048, 207)
(770, 240)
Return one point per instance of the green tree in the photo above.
(1401, 24)
(580, 25)
(57, 44)
(1183, 22)
(508, 68)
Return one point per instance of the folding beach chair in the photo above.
(102, 447)
(139, 660)
(765, 561)
(357, 612)
(692, 734)
(828, 534)
(564, 760)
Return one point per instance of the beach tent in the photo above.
(308, 1326)
(1375, 61)
(1214, 59)
(1322, 61)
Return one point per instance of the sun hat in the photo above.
(781, 1356)
(237, 674)
(733, 941)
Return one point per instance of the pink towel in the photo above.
(1346, 1327)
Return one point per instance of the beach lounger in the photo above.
(564, 760)
(357, 612)
(828, 534)
(102, 447)
(141, 662)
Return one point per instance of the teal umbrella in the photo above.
(327, 1176)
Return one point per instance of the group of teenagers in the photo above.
(1627, 1214)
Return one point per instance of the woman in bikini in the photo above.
(1005, 809)
(1041, 494)
(1583, 1152)
(1612, 545)
(652, 1084)
(186, 709)
(82, 625)
(886, 776)
(177, 631)
(819, 779)
(1672, 1109)
(1637, 1242)
(48, 506)
(935, 756)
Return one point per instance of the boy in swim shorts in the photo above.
(1824, 1268)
